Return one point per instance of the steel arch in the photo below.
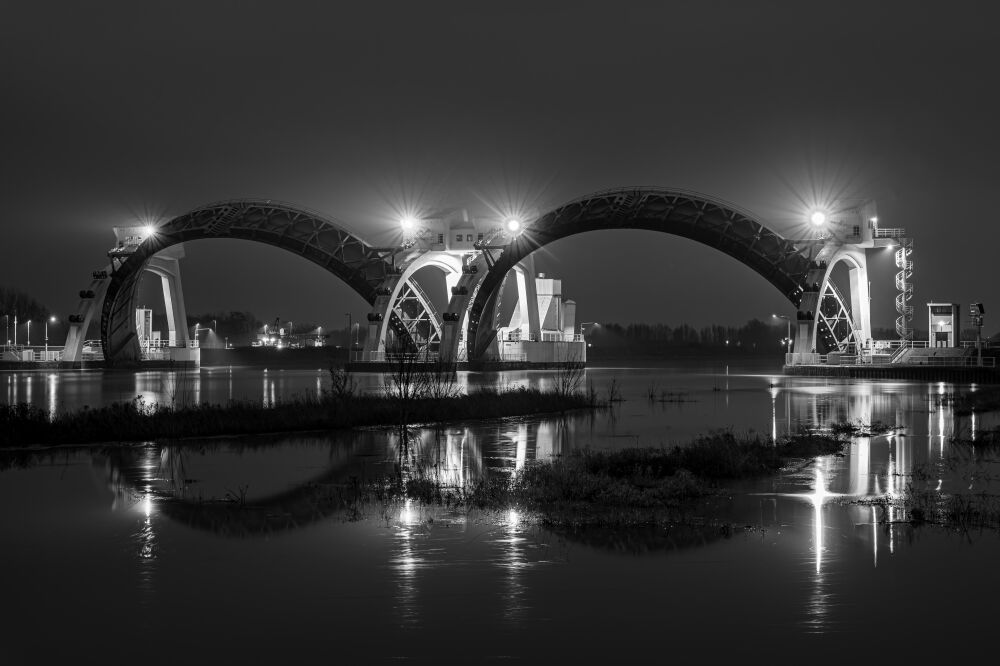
(707, 220)
(307, 234)
(837, 323)
(391, 289)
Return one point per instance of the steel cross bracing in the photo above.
(838, 329)
(308, 234)
(782, 262)
(417, 313)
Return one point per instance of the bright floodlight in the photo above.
(513, 225)
(408, 223)
(818, 218)
(148, 231)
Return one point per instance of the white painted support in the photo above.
(88, 308)
(861, 308)
(807, 330)
(167, 267)
(527, 298)
(857, 263)
(452, 333)
(448, 264)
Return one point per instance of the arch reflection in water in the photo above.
(405, 562)
(211, 484)
(168, 388)
(50, 390)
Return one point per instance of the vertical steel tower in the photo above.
(904, 278)
(904, 285)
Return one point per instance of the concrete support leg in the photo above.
(378, 328)
(88, 309)
(805, 336)
(527, 299)
(452, 333)
(861, 308)
(169, 271)
(167, 265)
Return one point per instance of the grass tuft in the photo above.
(26, 425)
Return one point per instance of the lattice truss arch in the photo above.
(308, 234)
(422, 320)
(837, 329)
(402, 296)
(782, 262)
(836, 321)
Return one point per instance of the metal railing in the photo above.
(32, 354)
(394, 357)
(985, 344)
(899, 344)
(561, 337)
(797, 358)
(954, 361)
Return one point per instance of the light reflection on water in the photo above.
(274, 497)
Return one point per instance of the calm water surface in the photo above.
(121, 554)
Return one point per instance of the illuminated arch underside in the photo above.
(711, 222)
(301, 232)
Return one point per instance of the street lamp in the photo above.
(818, 217)
(349, 326)
(28, 343)
(53, 320)
(788, 337)
(584, 324)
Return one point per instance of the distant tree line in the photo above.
(239, 327)
(16, 302)
(755, 336)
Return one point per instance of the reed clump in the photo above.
(657, 476)
(637, 486)
(607, 483)
(859, 428)
(27, 425)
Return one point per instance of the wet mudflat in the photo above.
(231, 552)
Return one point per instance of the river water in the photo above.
(129, 554)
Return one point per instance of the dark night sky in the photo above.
(115, 109)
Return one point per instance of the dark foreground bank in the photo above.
(27, 425)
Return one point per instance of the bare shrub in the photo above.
(343, 385)
(569, 378)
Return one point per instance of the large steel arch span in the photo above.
(307, 234)
(707, 220)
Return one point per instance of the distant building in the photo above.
(944, 325)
